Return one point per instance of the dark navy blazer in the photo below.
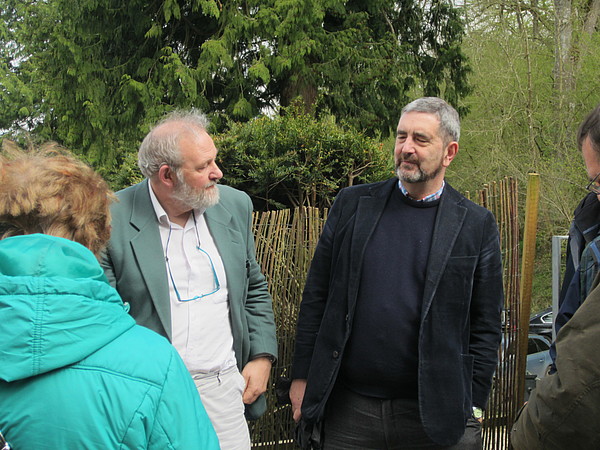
(460, 323)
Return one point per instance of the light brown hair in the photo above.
(50, 191)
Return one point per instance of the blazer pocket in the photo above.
(457, 282)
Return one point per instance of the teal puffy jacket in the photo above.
(75, 369)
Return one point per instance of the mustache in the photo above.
(407, 158)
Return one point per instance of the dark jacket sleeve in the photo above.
(316, 290)
(568, 307)
(562, 412)
(486, 306)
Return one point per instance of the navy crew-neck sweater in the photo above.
(381, 358)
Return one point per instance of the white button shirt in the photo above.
(201, 329)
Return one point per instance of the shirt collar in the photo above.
(430, 198)
(160, 212)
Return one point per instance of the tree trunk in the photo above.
(296, 87)
(589, 26)
(563, 75)
(591, 20)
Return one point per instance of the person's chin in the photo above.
(213, 197)
(406, 176)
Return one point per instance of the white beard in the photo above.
(196, 198)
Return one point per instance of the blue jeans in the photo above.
(353, 421)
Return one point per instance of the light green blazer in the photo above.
(134, 264)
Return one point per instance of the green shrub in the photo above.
(297, 160)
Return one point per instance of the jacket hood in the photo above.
(56, 306)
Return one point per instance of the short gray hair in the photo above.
(446, 114)
(162, 147)
(590, 127)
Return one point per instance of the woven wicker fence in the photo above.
(285, 242)
(505, 400)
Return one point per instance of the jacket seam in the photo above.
(79, 366)
(37, 330)
(158, 403)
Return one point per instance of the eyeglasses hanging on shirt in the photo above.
(217, 285)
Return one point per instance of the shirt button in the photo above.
(336, 354)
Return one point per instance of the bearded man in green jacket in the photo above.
(182, 255)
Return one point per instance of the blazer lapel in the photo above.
(218, 220)
(148, 252)
(232, 250)
(448, 222)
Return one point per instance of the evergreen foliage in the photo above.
(93, 74)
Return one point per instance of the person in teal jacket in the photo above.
(75, 369)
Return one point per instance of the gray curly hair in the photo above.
(160, 146)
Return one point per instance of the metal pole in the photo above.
(556, 276)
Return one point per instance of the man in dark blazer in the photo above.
(399, 325)
(182, 255)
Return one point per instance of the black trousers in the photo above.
(353, 421)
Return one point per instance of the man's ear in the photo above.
(166, 176)
(450, 152)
